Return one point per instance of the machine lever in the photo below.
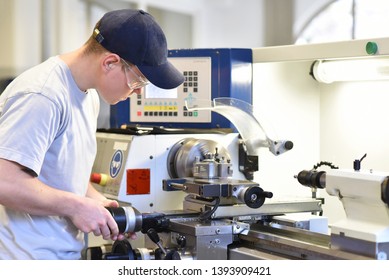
(153, 235)
(357, 163)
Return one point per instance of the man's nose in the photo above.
(138, 90)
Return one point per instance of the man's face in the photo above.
(121, 81)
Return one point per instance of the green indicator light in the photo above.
(371, 48)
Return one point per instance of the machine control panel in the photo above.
(160, 105)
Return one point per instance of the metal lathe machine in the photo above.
(191, 196)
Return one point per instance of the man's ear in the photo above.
(110, 61)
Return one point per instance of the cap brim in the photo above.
(164, 76)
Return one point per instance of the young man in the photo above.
(48, 120)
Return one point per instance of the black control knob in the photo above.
(254, 197)
(288, 145)
(153, 235)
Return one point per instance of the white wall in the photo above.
(287, 102)
(20, 31)
(354, 122)
(229, 24)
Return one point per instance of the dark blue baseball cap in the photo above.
(136, 37)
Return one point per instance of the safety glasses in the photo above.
(134, 80)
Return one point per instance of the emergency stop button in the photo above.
(99, 178)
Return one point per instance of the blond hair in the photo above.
(92, 46)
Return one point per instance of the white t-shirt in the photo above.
(48, 125)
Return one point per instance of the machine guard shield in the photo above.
(240, 114)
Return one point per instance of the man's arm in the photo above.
(20, 190)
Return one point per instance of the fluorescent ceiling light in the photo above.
(368, 69)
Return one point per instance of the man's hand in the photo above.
(91, 216)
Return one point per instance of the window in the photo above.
(346, 20)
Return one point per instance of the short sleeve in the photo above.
(28, 124)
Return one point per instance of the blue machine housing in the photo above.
(226, 81)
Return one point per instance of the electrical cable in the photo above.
(208, 214)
